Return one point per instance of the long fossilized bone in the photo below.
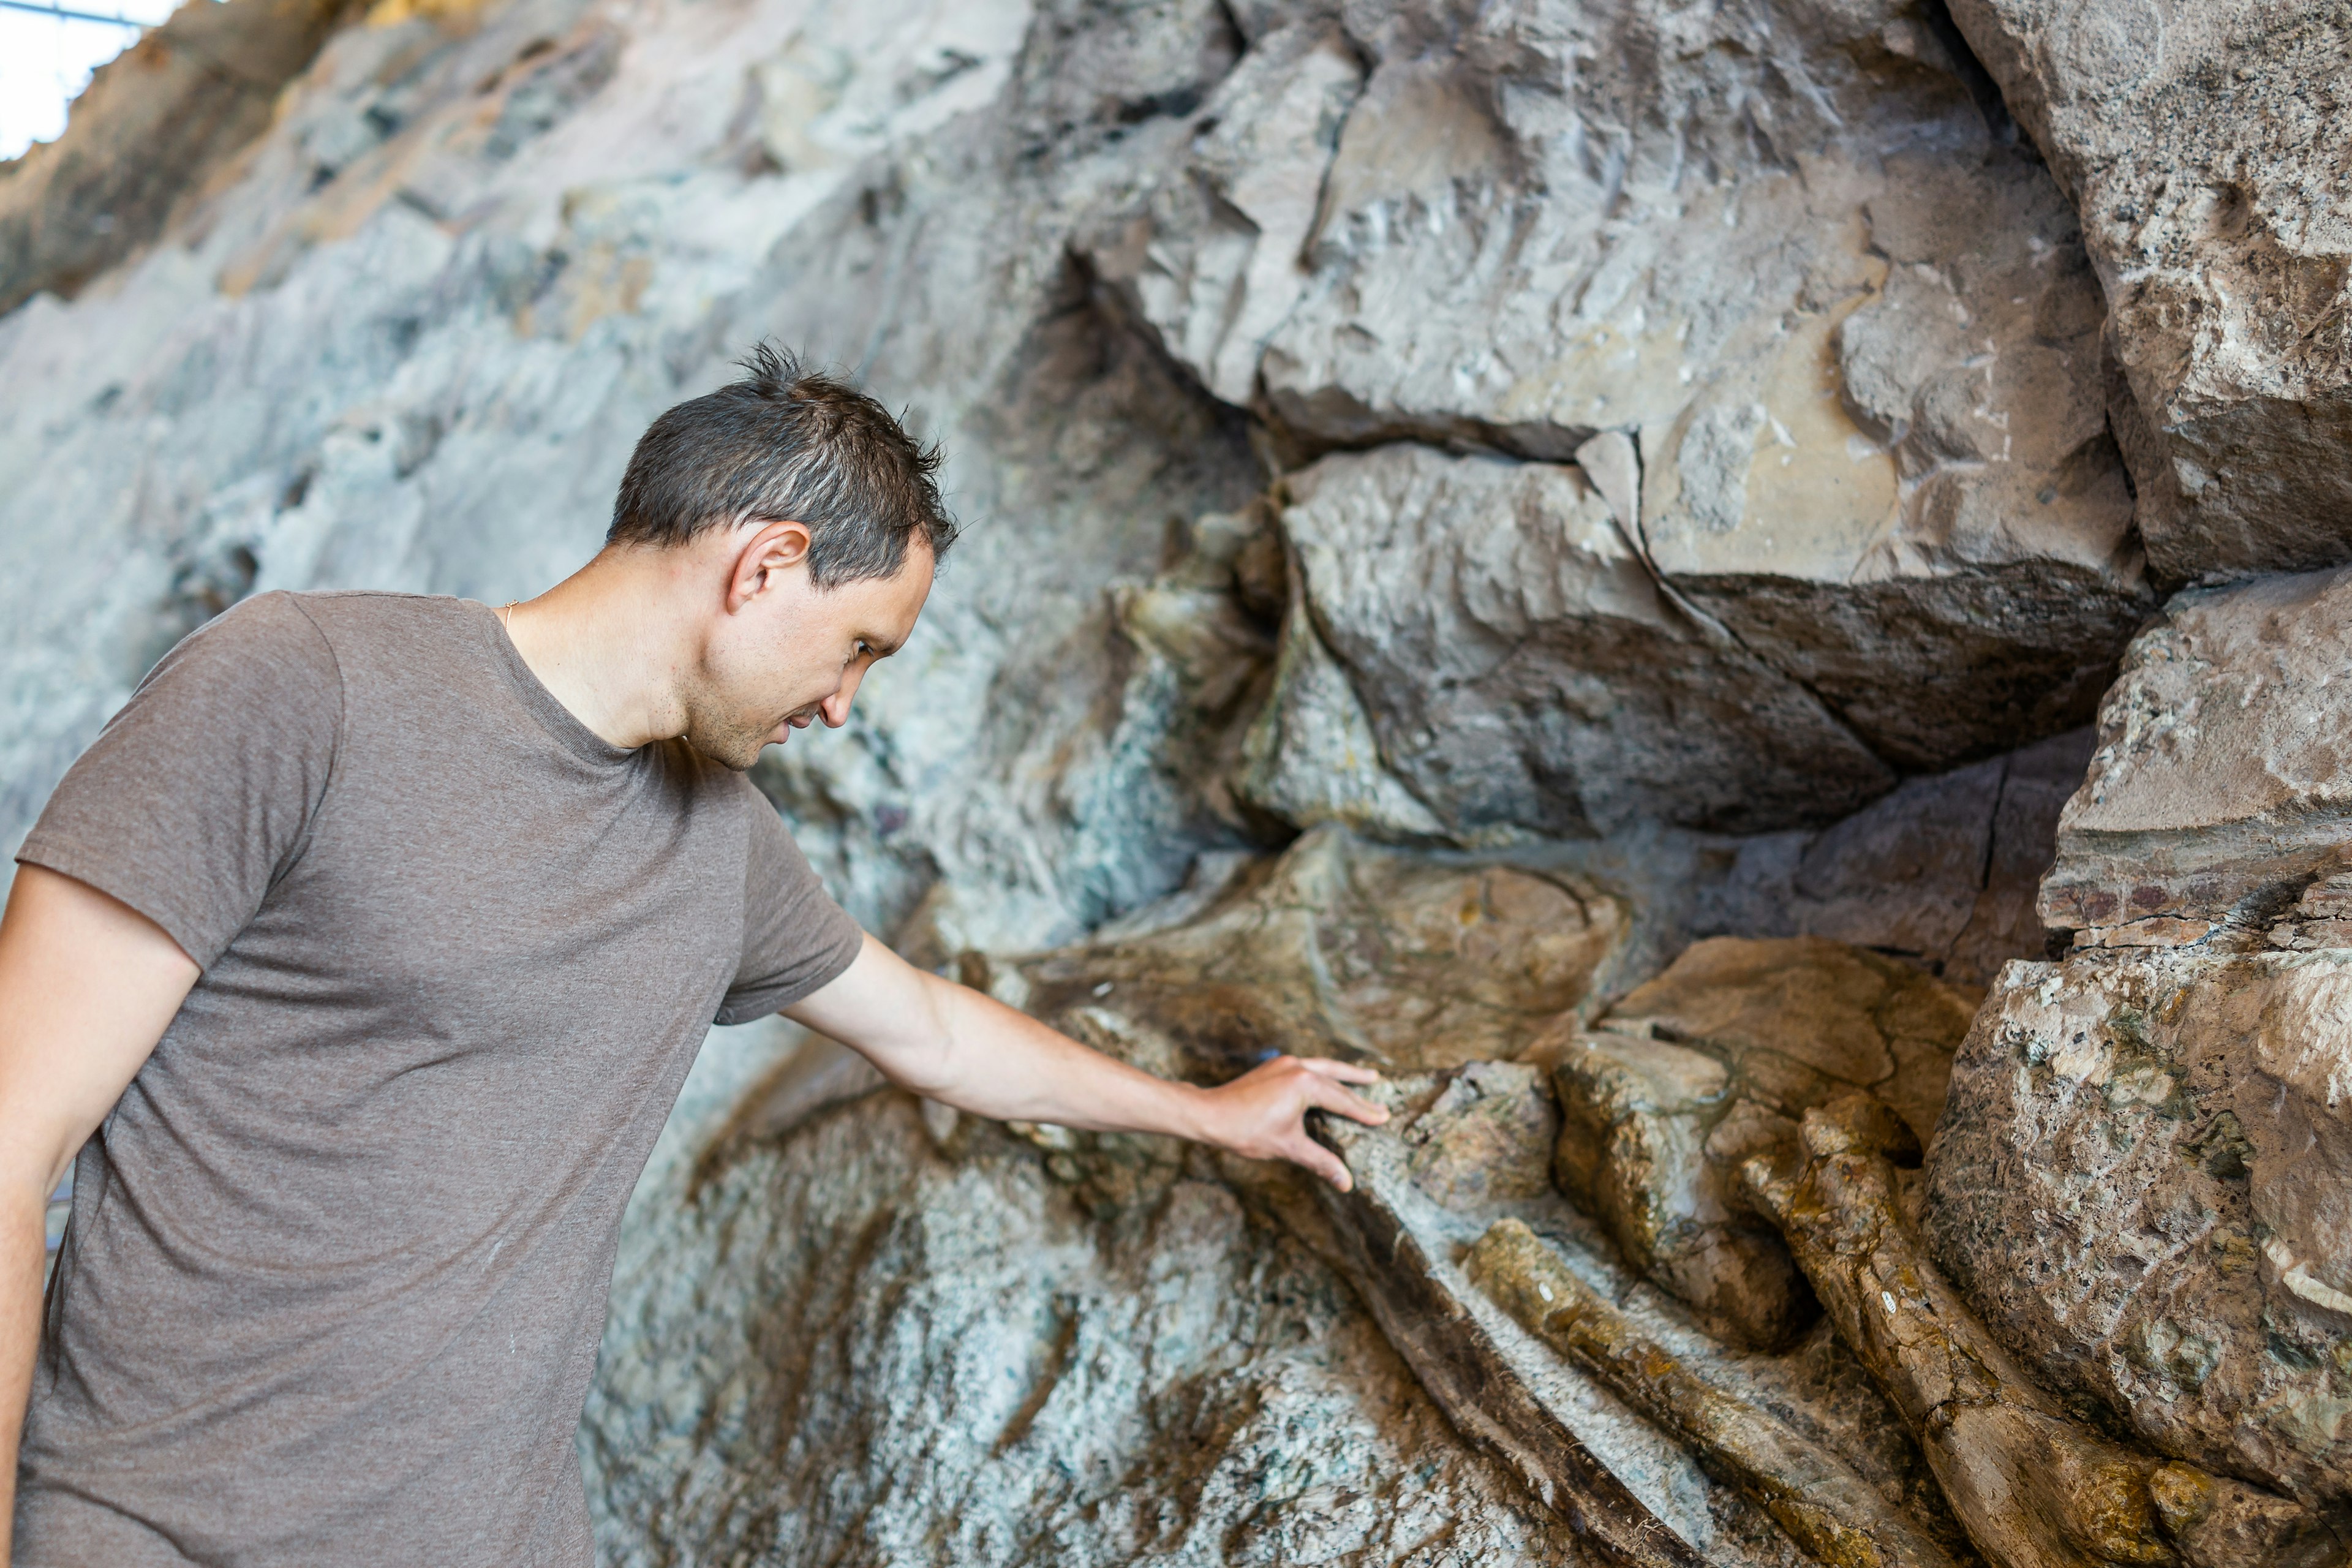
(1832, 1514)
(2032, 1487)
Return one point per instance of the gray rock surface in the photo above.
(856, 1345)
(2203, 146)
(2220, 792)
(1523, 671)
(2142, 1182)
(1781, 251)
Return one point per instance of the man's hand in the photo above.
(1262, 1114)
(953, 1045)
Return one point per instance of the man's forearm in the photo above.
(22, 1248)
(997, 1062)
(971, 1051)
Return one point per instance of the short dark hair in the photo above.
(787, 442)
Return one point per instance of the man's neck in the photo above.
(607, 643)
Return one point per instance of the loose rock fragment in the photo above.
(1832, 1514)
(2033, 1487)
(1853, 373)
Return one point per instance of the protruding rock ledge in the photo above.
(2221, 793)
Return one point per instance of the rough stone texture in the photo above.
(1523, 669)
(2203, 146)
(1715, 1060)
(854, 1346)
(2219, 791)
(2143, 1181)
(1783, 251)
(2034, 1487)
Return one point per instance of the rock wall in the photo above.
(1466, 503)
(2200, 145)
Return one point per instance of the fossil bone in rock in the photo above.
(1459, 1359)
(1832, 1514)
(2033, 1487)
(1712, 1061)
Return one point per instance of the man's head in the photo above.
(807, 523)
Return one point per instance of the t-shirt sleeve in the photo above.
(199, 794)
(796, 940)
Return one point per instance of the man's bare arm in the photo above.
(954, 1045)
(87, 986)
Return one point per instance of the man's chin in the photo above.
(738, 753)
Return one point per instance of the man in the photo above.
(373, 939)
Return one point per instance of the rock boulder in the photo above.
(2203, 146)
(2143, 1181)
(1839, 333)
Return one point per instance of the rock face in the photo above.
(1529, 672)
(1845, 381)
(2144, 1181)
(2220, 792)
(2202, 146)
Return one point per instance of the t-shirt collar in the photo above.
(552, 715)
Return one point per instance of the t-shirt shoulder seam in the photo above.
(335, 746)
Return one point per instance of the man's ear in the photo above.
(774, 549)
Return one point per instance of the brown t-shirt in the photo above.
(337, 1267)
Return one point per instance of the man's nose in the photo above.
(835, 708)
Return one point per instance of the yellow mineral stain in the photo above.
(393, 13)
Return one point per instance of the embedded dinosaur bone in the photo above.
(1831, 1513)
(1466, 1373)
(2033, 1488)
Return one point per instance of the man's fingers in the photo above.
(1304, 1151)
(1345, 1072)
(1324, 1095)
